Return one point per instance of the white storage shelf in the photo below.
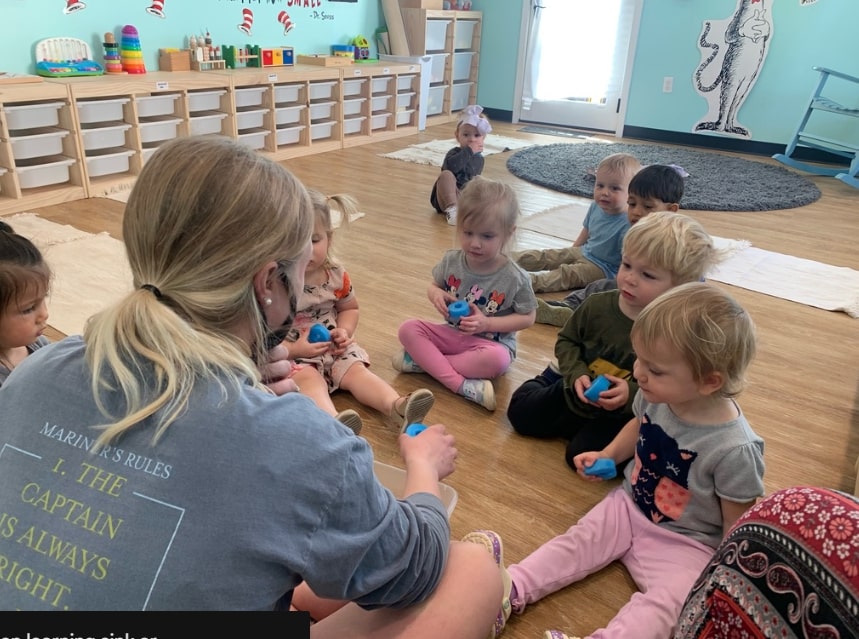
(158, 129)
(288, 115)
(254, 138)
(205, 100)
(290, 135)
(249, 96)
(34, 143)
(206, 123)
(153, 105)
(32, 116)
(108, 110)
(38, 172)
(108, 161)
(101, 136)
(250, 118)
(288, 93)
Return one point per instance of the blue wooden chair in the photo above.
(803, 137)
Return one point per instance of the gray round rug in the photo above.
(716, 182)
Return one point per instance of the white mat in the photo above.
(90, 271)
(433, 153)
(832, 288)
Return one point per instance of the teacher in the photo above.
(144, 466)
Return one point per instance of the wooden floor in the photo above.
(802, 398)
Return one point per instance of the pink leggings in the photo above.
(450, 356)
(664, 564)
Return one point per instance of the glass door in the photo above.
(575, 62)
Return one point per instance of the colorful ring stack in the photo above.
(129, 51)
(112, 59)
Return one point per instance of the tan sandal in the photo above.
(415, 407)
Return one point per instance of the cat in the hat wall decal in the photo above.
(74, 5)
(247, 23)
(156, 8)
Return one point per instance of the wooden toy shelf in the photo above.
(71, 138)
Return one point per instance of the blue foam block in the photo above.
(597, 386)
(603, 468)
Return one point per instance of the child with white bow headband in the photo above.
(462, 162)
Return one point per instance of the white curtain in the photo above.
(572, 49)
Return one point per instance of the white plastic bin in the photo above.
(435, 99)
(204, 100)
(101, 110)
(380, 84)
(380, 103)
(321, 111)
(31, 116)
(159, 129)
(321, 130)
(207, 123)
(289, 135)
(289, 114)
(405, 82)
(38, 172)
(34, 143)
(436, 68)
(249, 96)
(254, 139)
(152, 105)
(459, 95)
(463, 34)
(353, 106)
(250, 119)
(148, 150)
(436, 35)
(103, 137)
(286, 93)
(353, 87)
(404, 118)
(321, 90)
(394, 479)
(404, 100)
(108, 161)
(462, 65)
(379, 120)
(353, 125)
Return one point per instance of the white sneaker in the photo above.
(350, 419)
(403, 362)
(480, 391)
(450, 215)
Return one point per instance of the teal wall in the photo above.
(823, 33)
(25, 22)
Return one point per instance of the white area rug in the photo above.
(433, 153)
(832, 288)
(90, 271)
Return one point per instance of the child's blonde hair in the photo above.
(346, 205)
(485, 201)
(712, 332)
(23, 270)
(674, 242)
(621, 163)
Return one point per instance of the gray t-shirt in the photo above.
(244, 495)
(31, 348)
(504, 292)
(680, 470)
